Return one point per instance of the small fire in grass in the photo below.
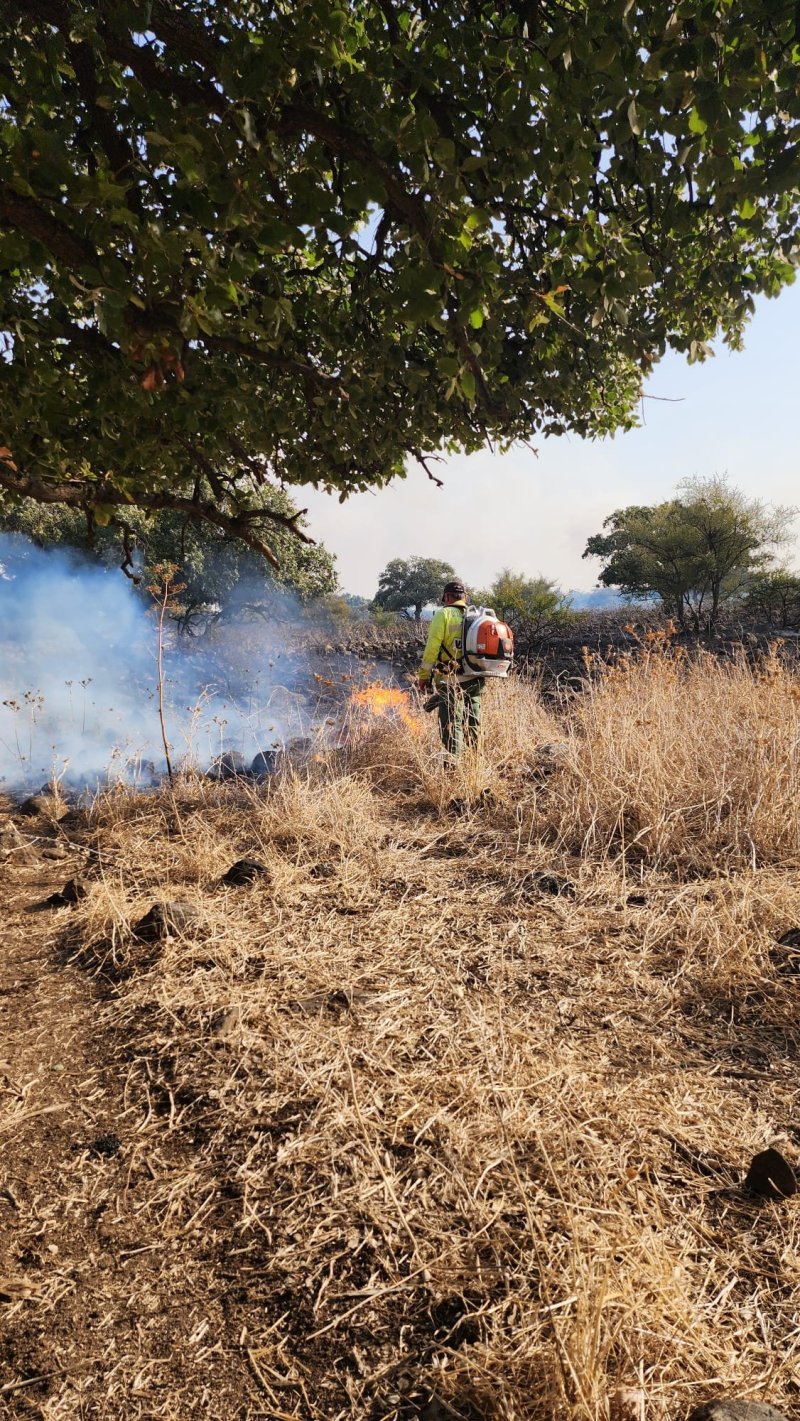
(387, 700)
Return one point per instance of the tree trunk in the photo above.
(714, 613)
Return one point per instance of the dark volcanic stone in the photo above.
(10, 837)
(736, 1411)
(245, 871)
(786, 953)
(323, 870)
(265, 763)
(166, 919)
(106, 1145)
(229, 766)
(771, 1176)
(72, 892)
(555, 884)
(44, 804)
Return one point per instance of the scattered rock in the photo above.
(787, 961)
(736, 1411)
(72, 892)
(245, 871)
(339, 1000)
(224, 1023)
(636, 900)
(264, 764)
(145, 773)
(456, 1319)
(786, 954)
(531, 884)
(16, 847)
(54, 789)
(11, 839)
(323, 870)
(551, 757)
(555, 884)
(166, 920)
(55, 853)
(771, 1176)
(12, 1290)
(707, 1164)
(45, 804)
(230, 766)
(106, 1146)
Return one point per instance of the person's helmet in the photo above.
(455, 589)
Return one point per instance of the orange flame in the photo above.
(387, 700)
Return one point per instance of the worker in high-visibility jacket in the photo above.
(442, 663)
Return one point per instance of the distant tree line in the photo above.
(530, 605)
(706, 551)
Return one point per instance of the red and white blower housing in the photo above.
(488, 644)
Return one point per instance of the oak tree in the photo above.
(693, 552)
(410, 584)
(309, 240)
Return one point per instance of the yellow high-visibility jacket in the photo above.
(445, 644)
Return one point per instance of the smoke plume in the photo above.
(78, 678)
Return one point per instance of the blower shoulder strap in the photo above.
(443, 650)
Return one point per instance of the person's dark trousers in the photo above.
(460, 714)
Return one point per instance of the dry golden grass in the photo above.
(443, 1143)
(693, 767)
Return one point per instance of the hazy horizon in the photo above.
(534, 512)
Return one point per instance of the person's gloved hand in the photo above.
(423, 684)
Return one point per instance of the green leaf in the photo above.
(467, 381)
(476, 319)
(696, 123)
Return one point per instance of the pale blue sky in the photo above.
(739, 416)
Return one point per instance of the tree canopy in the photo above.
(309, 240)
(693, 552)
(411, 583)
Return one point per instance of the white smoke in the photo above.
(78, 679)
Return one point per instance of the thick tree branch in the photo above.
(274, 360)
(33, 220)
(75, 495)
(115, 146)
(286, 520)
